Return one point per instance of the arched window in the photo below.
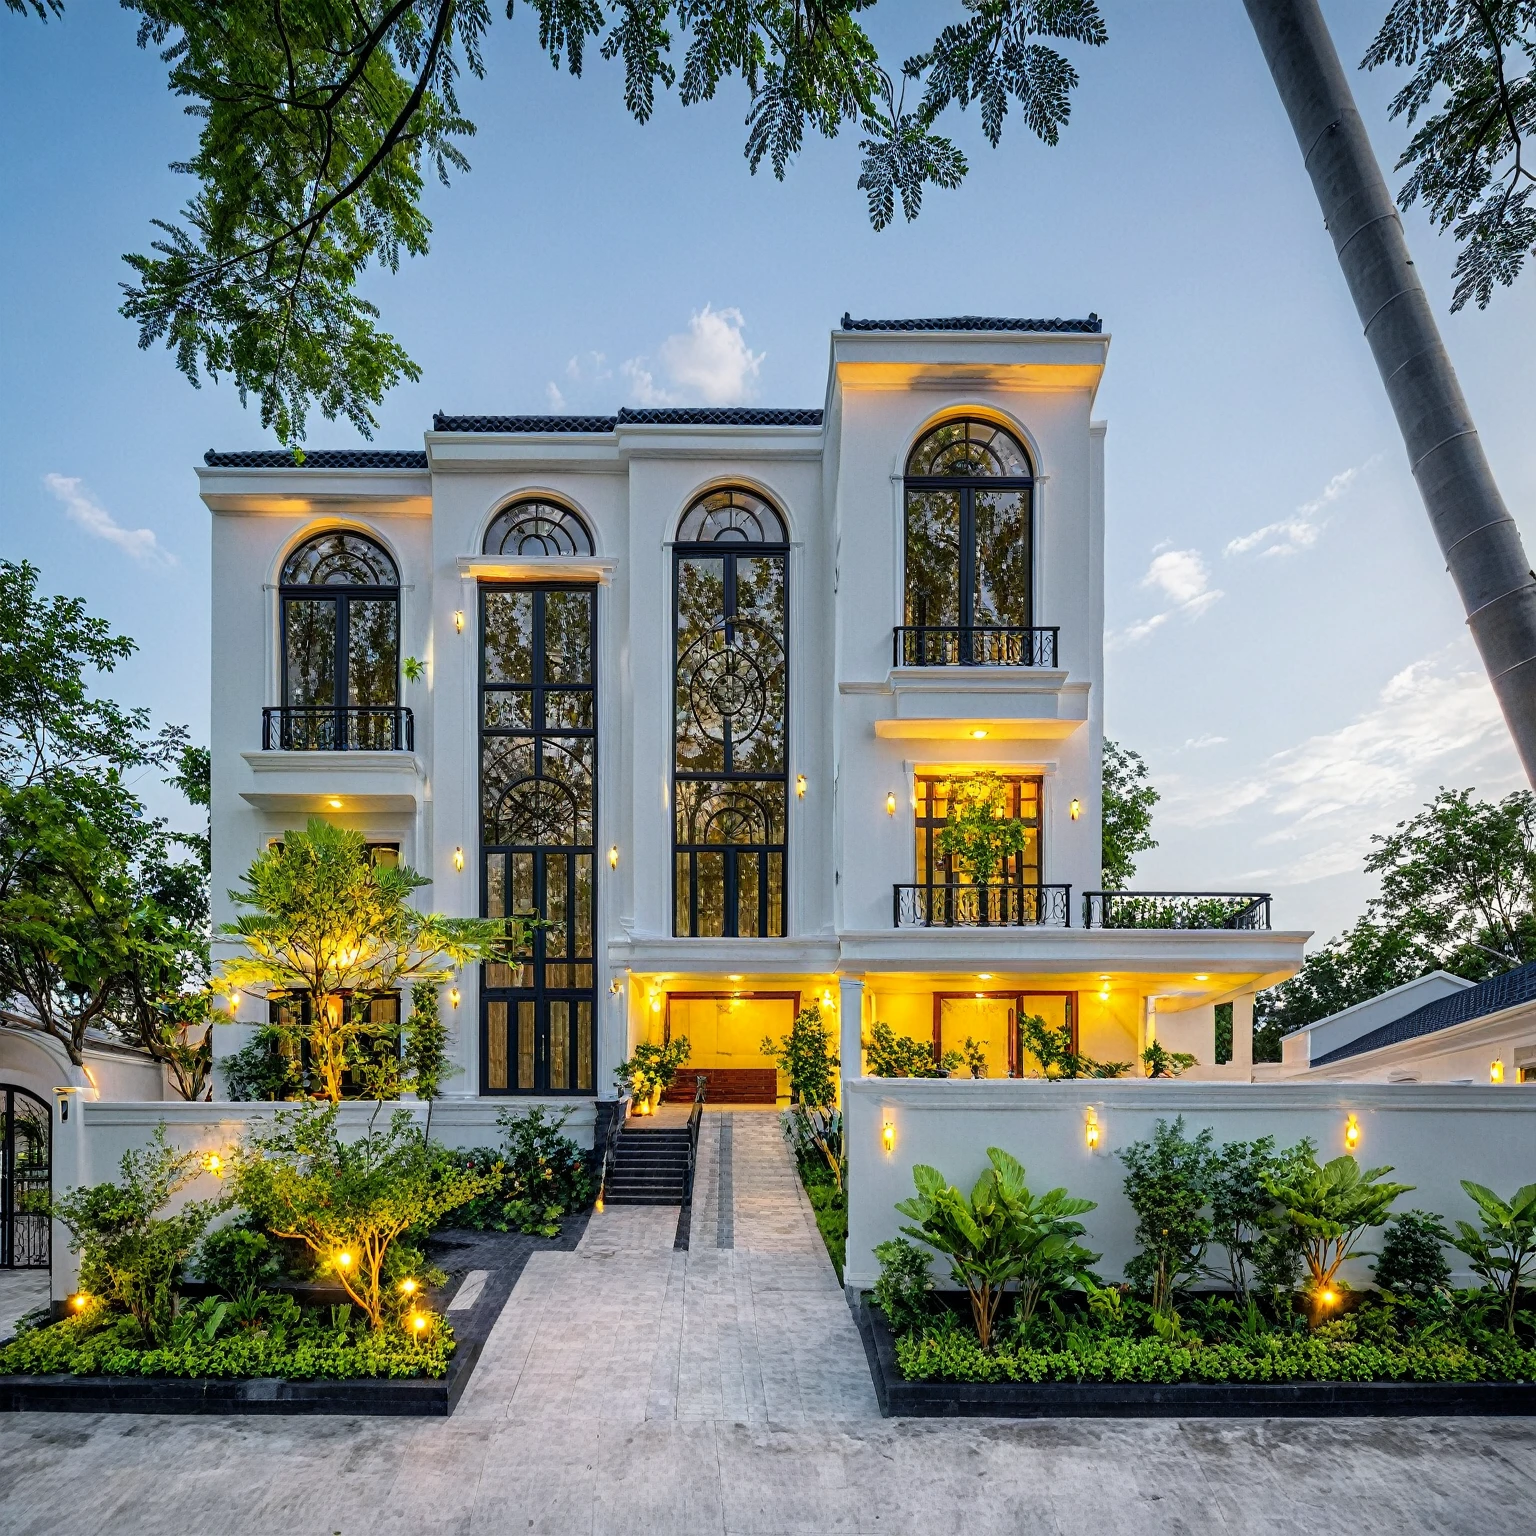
(537, 528)
(731, 709)
(969, 548)
(340, 597)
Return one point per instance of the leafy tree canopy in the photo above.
(1127, 815)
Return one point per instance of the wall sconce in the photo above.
(616, 986)
(1351, 1134)
(890, 805)
(888, 1137)
(458, 858)
(234, 1004)
(800, 786)
(1495, 1071)
(613, 857)
(458, 620)
(1075, 809)
(656, 1001)
(1091, 1130)
(453, 996)
(826, 1000)
(214, 1164)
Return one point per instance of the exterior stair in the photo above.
(649, 1168)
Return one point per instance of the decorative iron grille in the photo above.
(1175, 909)
(26, 1187)
(321, 728)
(980, 645)
(983, 906)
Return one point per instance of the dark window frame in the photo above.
(935, 871)
(729, 551)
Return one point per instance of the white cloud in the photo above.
(1182, 578)
(1435, 722)
(708, 364)
(86, 512)
(555, 398)
(1195, 743)
(1300, 531)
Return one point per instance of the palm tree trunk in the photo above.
(1477, 535)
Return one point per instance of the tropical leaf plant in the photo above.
(1503, 1253)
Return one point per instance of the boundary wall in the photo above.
(1432, 1135)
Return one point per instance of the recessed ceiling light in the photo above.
(978, 734)
(983, 975)
(1202, 978)
(733, 978)
(335, 805)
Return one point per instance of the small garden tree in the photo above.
(806, 1057)
(349, 1202)
(1503, 1253)
(653, 1068)
(329, 925)
(1168, 1182)
(891, 1055)
(1051, 1046)
(979, 832)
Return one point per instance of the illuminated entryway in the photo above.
(725, 1031)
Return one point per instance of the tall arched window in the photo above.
(969, 548)
(340, 596)
(537, 528)
(731, 692)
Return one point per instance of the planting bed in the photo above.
(901, 1398)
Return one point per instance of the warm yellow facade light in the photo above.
(418, 1322)
(79, 1301)
(214, 1164)
(890, 804)
(655, 1002)
(800, 786)
(734, 976)
(613, 857)
(458, 858)
(979, 735)
(343, 1260)
(453, 996)
(984, 976)
(1091, 1130)
(888, 1136)
(1202, 978)
(408, 1287)
(1495, 1071)
(1075, 809)
(334, 803)
(616, 986)
(1351, 1134)
(458, 620)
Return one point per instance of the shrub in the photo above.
(805, 1055)
(1240, 1205)
(129, 1254)
(258, 1070)
(653, 1068)
(235, 1260)
(975, 1057)
(902, 1292)
(1505, 1249)
(1164, 1063)
(1412, 1258)
(999, 1236)
(978, 831)
(1168, 1182)
(1051, 1046)
(426, 1043)
(893, 1055)
(1330, 1207)
(349, 1201)
(540, 1177)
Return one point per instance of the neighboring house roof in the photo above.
(1092, 326)
(318, 458)
(442, 423)
(1493, 996)
(1406, 987)
(672, 416)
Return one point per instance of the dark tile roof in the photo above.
(678, 416)
(1492, 996)
(1092, 326)
(318, 458)
(442, 423)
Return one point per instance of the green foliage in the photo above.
(267, 1335)
(426, 1043)
(1223, 1012)
(538, 1177)
(260, 1070)
(829, 1205)
(1467, 158)
(904, 1288)
(1168, 1183)
(1330, 1206)
(806, 1056)
(816, 1139)
(1412, 1258)
(1502, 1248)
(1240, 1205)
(130, 1254)
(888, 1054)
(653, 1068)
(975, 1057)
(1160, 1062)
(978, 830)
(1126, 827)
(1000, 1236)
(235, 1259)
(326, 922)
(348, 1202)
(1051, 1046)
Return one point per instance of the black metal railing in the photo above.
(1175, 909)
(974, 645)
(982, 906)
(695, 1116)
(610, 1146)
(355, 728)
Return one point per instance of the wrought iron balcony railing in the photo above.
(977, 645)
(355, 728)
(983, 906)
(1175, 909)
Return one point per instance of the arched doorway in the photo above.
(26, 1183)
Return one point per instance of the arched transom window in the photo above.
(340, 597)
(969, 546)
(731, 709)
(537, 528)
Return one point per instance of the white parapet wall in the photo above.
(1432, 1135)
(91, 1136)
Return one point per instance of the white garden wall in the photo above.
(1432, 1135)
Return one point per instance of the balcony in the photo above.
(366, 728)
(1201, 910)
(978, 645)
(982, 906)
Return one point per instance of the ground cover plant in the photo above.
(1273, 1225)
(538, 1174)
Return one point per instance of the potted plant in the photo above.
(651, 1071)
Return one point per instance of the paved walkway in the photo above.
(632, 1387)
(21, 1290)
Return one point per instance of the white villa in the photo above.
(698, 684)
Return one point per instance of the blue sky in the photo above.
(1286, 649)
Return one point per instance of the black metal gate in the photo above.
(26, 1185)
